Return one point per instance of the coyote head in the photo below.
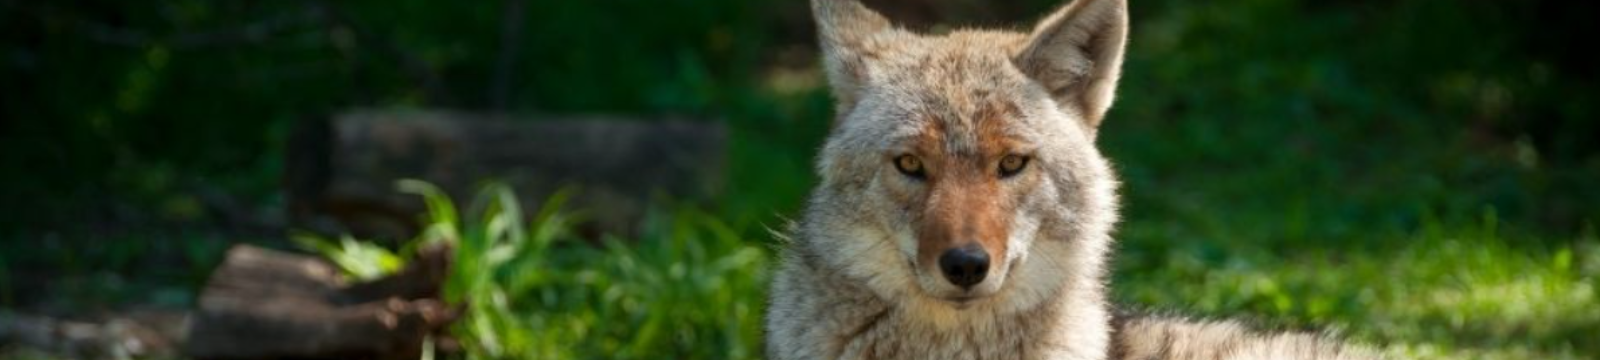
(961, 170)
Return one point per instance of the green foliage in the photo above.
(687, 287)
(359, 260)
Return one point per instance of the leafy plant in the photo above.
(688, 286)
(360, 260)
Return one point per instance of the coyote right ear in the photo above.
(1076, 54)
(843, 27)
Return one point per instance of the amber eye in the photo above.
(909, 165)
(1012, 164)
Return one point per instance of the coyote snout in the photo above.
(963, 227)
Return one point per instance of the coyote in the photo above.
(964, 211)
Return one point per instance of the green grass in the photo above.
(1439, 293)
(688, 286)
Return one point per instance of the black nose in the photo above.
(965, 266)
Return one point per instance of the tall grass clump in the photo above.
(686, 286)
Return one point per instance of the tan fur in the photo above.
(858, 280)
(1167, 338)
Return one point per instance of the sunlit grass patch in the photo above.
(1487, 296)
(1421, 351)
(1501, 291)
(1465, 292)
(687, 286)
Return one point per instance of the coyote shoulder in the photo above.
(963, 210)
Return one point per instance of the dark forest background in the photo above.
(1419, 174)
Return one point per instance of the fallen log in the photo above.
(266, 304)
(341, 172)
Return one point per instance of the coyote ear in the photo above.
(1076, 54)
(843, 27)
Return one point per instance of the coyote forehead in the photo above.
(962, 94)
(906, 85)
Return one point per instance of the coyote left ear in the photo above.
(1076, 54)
(843, 26)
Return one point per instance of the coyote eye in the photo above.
(1012, 164)
(909, 165)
